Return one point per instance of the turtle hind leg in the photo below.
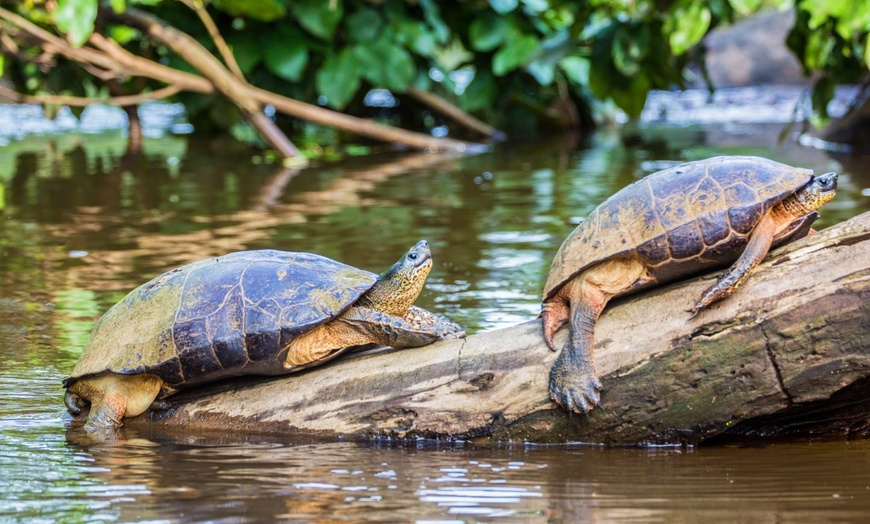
(74, 403)
(759, 244)
(574, 382)
(112, 397)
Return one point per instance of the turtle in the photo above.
(672, 224)
(261, 312)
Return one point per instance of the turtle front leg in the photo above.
(759, 245)
(399, 332)
(426, 320)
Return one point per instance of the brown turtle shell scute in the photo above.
(680, 220)
(221, 317)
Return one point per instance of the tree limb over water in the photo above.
(107, 56)
(787, 354)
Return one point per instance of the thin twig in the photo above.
(221, 44)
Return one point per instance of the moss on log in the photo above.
(787, 354)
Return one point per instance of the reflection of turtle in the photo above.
(246, 313)
(669, 225)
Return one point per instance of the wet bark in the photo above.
(792, 345)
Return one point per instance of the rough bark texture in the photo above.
(787, 354)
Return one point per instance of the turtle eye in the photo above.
(412, 256)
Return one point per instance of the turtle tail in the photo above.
(73, 403)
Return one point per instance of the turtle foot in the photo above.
(574, 385)
(448, 330)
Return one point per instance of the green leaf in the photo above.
(338, 79)
(263, 10)
(385, 64)
(544, 72)
(503, 6)
(285, 53)
(822, 94)
(686, 25)
(122, 34)
(746, 7)
(513, 54)
(867, 51)
(363, 25)
(632, 99)
(246, 49)
(118, 6)
(432, 15)
(76, 19)
(576, 70)
(417, 37)
(480, 93)
(487, 32)
(630, 45)
(320, 18)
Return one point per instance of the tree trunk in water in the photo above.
(787, 354)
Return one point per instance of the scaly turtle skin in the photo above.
(247, 313)
(667, 226)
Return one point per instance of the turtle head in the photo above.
(397, 288)
(816, 193)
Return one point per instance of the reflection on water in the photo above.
(81, 224)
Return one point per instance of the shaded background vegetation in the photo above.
(520, 65)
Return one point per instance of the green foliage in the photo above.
(76, 19)
(504, 60)
(831, 38)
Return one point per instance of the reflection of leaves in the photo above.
(78, 309)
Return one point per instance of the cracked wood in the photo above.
(794, 339)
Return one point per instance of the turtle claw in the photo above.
(574, 387)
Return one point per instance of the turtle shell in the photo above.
(225, 316)
(679, 221)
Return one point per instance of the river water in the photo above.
(81, 224)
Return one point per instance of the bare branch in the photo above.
(458, 115)
(82, 101)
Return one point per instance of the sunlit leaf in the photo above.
(122, 34)
(76, 18)
(686, 25)
(745, 7)
(118, 6)
(576, 69)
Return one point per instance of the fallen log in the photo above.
(788, 353)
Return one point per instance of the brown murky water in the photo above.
(81, 224)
